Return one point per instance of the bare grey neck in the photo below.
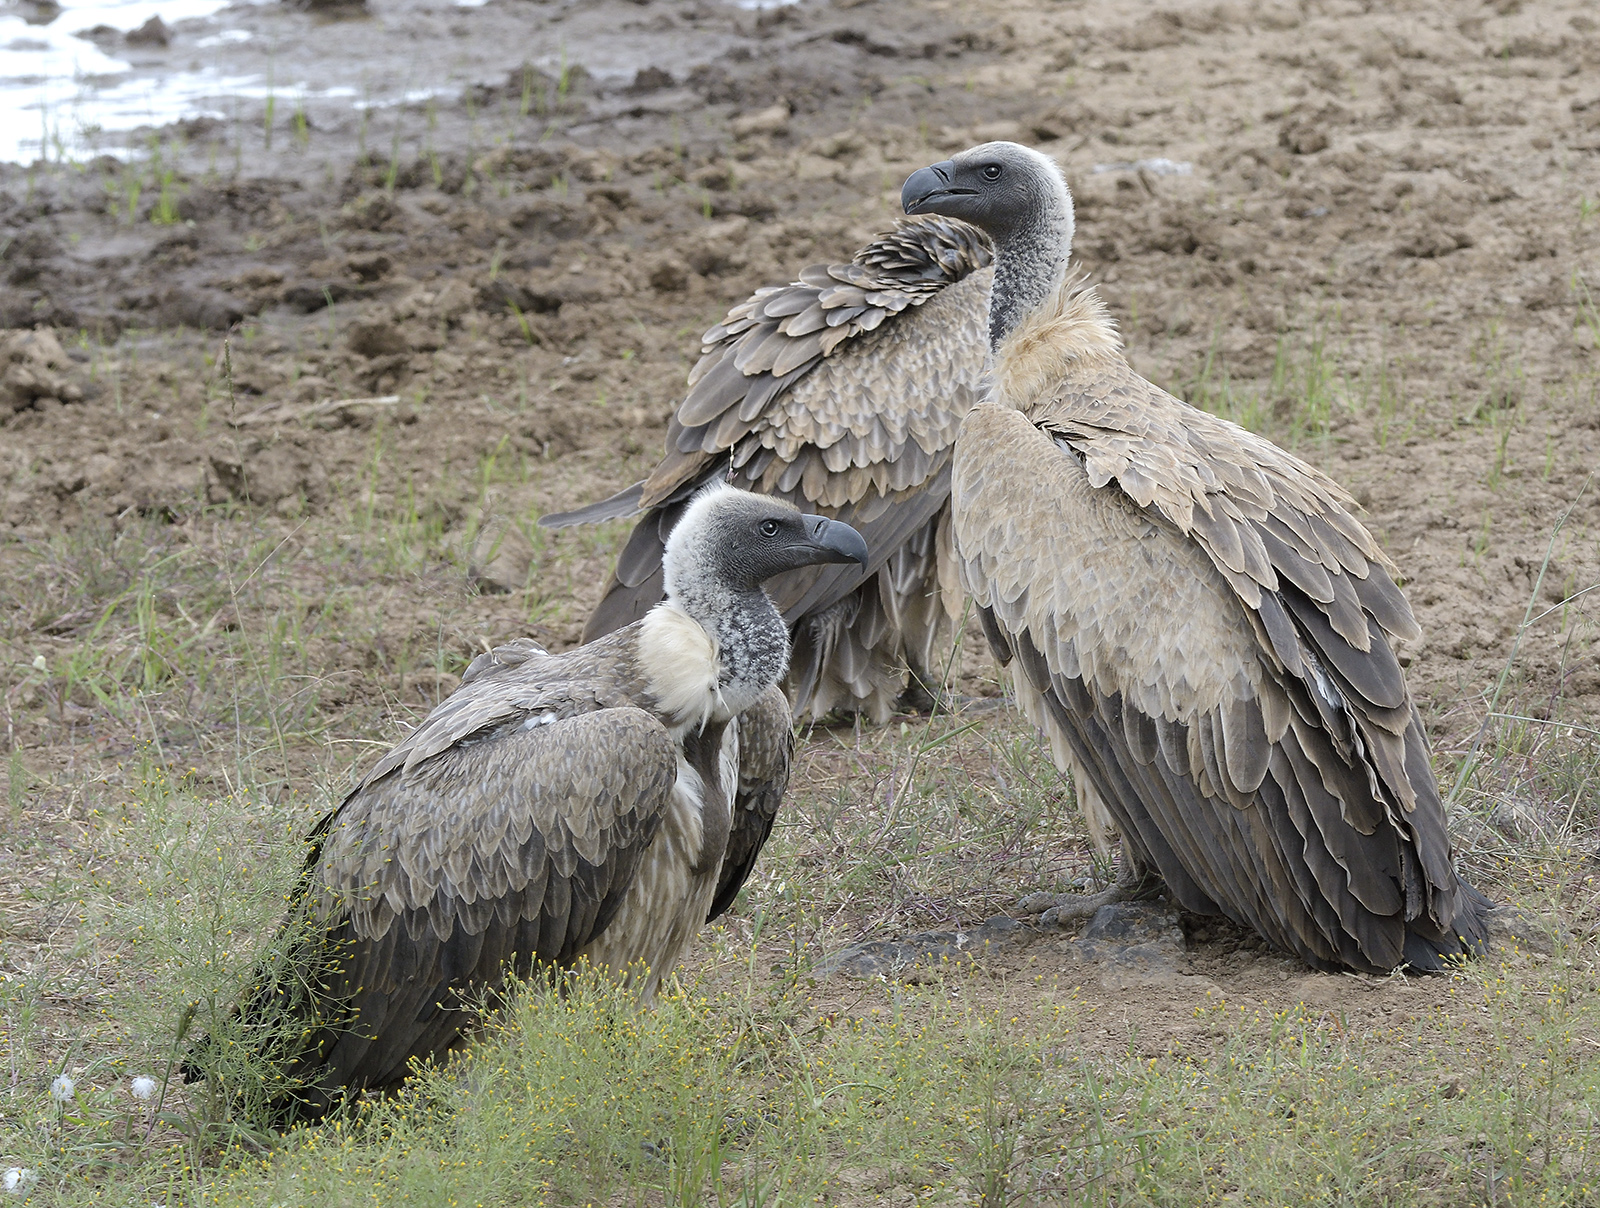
(752, 640)
(1029, 267)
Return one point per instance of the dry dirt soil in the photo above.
(1385, 253)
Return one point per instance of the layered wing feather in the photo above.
(841, 392)
(503, 831)
(428, 881)
(1206, 633)
(766, 751)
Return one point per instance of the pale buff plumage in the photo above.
(1193, 616)
(1134, 541)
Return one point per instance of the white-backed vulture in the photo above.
(842, 393)
(1194, 617)
(600, 804)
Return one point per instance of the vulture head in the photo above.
(1017, 197)
(1004, 189)
(735, 541)
(726, 545)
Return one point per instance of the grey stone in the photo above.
(1129, 923)
(1136, 944)
(1511, 929)
(875, 958)
(153, 32)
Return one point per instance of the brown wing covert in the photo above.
(841, 392)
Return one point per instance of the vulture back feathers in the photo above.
(600, 804)
(841, 392)
(1195, 618)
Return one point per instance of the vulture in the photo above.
(842, 393)
(1194, 617)
(595, 805)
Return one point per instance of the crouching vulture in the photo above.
(842, 393)
(601, 804)
(1193, 616)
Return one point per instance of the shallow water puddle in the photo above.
(60, 91)
(73, 84)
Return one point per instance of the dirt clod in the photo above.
(35, 371)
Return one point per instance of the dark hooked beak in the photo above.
(928, 184)
(833, 541)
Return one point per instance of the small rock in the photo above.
(200, 308)
(718, 247)
(265, 474)
(371, 211)
(762, 121)
(1055, 123)
(370, 266)
(846, 144)
(1129, 923)
(1137, 944)
(650, 79)
(454, 301)
(1425, 239)
(313, 389)
(153, 32)
(593, 164)
(556, 217)
(669, 276)
(34, 367)
(376, 338)
(1512, 929)
(1304, 139)
(500, 559)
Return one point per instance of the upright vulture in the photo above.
(1193, 616)
(599, 804)
(842, 393)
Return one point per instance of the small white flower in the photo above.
(39, 664)
(143, 1087)
(63, 1088)
(18, 1179)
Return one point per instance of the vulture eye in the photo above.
(991, 171)
(769, 528)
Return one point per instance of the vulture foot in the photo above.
(919, 698)
(1132, 884)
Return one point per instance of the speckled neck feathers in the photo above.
(1031, 260)
(748, 636)
(712, 646)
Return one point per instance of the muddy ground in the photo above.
(1385, 253)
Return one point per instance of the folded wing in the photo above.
(766, 752)
(1207, 635)
(516, 846)
(841, 392)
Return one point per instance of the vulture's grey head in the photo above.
(1005, 190)
(733, 541)
(1018, 198)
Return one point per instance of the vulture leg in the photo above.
(924, 690)
(1134, 883)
